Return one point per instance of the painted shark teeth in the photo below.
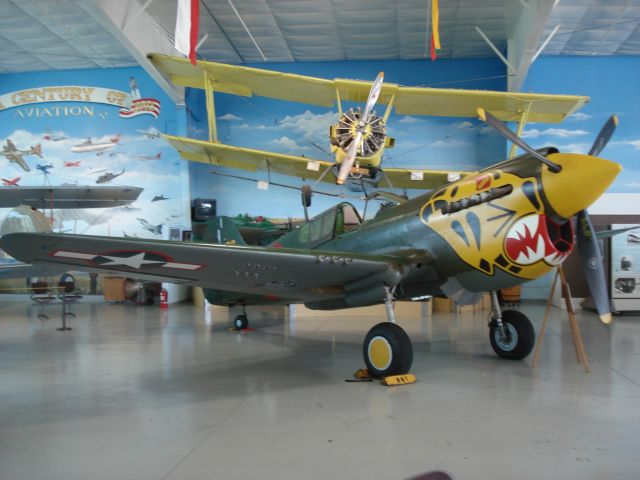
(525, 243)
(528, 242)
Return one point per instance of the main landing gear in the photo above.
(510, 332)
(387, 350)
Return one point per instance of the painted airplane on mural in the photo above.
(359, 138)
(11, 182)
(495, 228)
(90, 146)
(16, 155)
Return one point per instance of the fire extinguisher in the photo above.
(164, 298)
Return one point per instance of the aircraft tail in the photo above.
(221, 231)
(37, 150)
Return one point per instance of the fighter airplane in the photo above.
(52, 137)
(107, 177)
(11, 182)
(498, 227)
(44, 168)
(151, 133)
(158, 198)
(155, 229)
(72, 164)
(15, 155)
(358, 139)
(90, 146)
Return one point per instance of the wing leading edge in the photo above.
(219, 154)
(449, 102)
(296, 275)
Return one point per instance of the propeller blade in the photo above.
(356, 144)
(350, 159)
(512, 137)
(373, 97)
(592, 265)
(604, 136)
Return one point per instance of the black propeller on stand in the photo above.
(588, 245)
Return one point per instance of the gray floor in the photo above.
(136, 393)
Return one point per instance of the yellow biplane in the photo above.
(357, 139)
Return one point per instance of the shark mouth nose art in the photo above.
(535, 237)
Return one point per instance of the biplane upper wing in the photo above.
(219, 154)
(293, 274)
(448, 102)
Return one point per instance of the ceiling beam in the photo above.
(522, 46)
(139, 34)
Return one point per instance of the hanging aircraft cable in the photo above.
(588, 245)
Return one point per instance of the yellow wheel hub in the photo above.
(380, 353)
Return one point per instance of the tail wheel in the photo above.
(387, 350)
(519, 339)
(241, 322)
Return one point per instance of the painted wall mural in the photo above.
(300, 129)
(93, 128)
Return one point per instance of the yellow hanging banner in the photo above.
(435, 18)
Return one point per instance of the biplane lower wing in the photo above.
(229, 156)
(296, 275)
(219, 154)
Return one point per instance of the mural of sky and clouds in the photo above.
(612, 85)
(135, 153)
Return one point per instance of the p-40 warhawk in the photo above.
(495, 228)
(359, 137)
(15, 155)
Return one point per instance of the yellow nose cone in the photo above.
(581, 181)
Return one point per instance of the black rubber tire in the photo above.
(401, 350)
(307, 192)
(241, 322)
(517, 322)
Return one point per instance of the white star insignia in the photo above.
(134, 261)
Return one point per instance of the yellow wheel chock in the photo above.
(362, 375)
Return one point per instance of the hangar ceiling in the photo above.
(319, 30)
(55, 35)
(63, 34)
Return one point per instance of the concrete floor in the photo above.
(139, 393)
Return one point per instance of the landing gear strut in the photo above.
(387, 349)
(510, 332)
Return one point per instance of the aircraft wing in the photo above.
(297, 275)
(23, 270)
(68, 196)
(219, 154)
(16, 157)
(422, 179)
(448, 102)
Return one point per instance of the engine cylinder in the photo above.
(373, 136)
